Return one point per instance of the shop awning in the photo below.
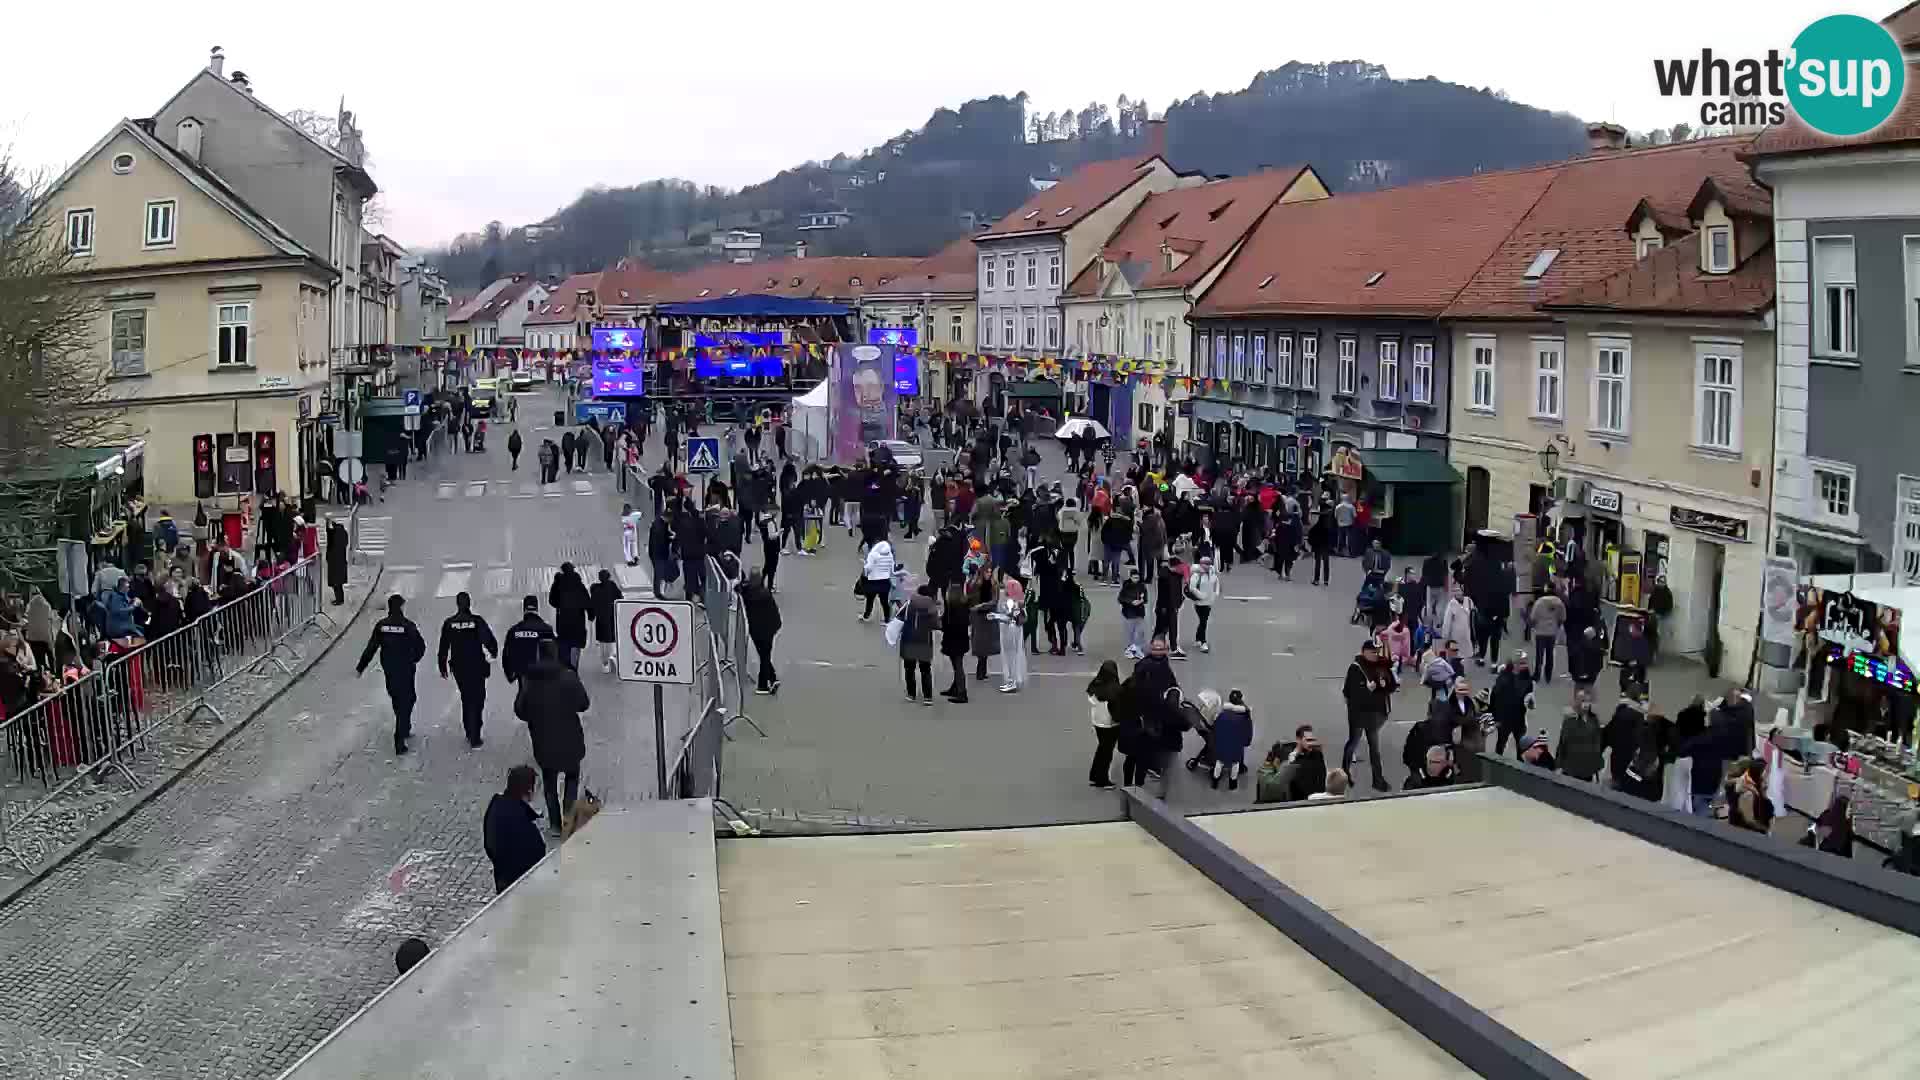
(1034, 388)
(1408, 467)
(373, 407)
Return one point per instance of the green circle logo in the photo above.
(1847, 76)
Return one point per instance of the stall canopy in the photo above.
(754, 305)
(1034, 388)
(807, 424)
(1409, 467)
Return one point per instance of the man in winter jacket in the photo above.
(466, 642)
(603, 600)
(1369, 691)
(1133, 613)
(1170, 592)
(1579, 753)
(763, 625)
(550, 702)
(401, 648)
(570, 601)
(1545, 618)
(1511, 700)
(508, 832)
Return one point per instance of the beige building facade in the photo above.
(213, 323)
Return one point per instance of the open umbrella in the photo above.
(1079, 427)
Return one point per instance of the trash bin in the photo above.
(559, 418)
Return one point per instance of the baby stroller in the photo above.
(1372, 604)
(1200, 715)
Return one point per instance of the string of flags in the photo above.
(1110, 369)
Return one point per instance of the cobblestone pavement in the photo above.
(242, 914)
(169, 749)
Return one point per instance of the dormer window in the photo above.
(1644, 246)
(1719, 245)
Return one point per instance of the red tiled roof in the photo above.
(1202, 222)
(1670, 282)
(950, 270)
(465, 311)
(1904, 25)
(832, 278)
(562, 305)
(1425, 239)
(502, 301)
(1581, 214)
(1795, 137)
(627, 283)
(1078, 194)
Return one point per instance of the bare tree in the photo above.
(55, 396)
(325, 130)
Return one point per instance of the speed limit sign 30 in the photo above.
(656, 641)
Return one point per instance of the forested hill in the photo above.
(1353, 122)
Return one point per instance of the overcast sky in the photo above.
(473, 114)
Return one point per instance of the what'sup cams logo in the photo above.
(1843, 76)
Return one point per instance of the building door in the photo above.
(1100, 404)
(1709, 574)
(1479, 491)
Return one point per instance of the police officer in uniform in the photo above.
(401, 647)
(467, 641)
(523, 640)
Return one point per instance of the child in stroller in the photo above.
(1200, 714)
(1375, 604)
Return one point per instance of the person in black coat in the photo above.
(763, 625)
(690, 535)
(1320, 539)
(401, 648)
(550, 702)
(602, 599)
(337, 543)
(508, 832)
(523, 640)
(570, 600)
(466, 641)
(956, 640)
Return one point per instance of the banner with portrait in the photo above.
(864, 404)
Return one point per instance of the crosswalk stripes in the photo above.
(631, 577)
(583, 487)
(453, 580)
(403, 581)
(371, 536)
(476, 488)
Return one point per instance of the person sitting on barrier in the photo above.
(509, 833)
(413, 950)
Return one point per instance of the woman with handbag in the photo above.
(918, 622)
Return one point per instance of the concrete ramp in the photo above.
(1073, 951)
(1621, 958)
(603, 962)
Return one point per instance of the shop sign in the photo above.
(1306, 425)
(1856, 625)
(306, 406)
(1346, 464)
(275, 382)
(1605, 500)
(1727, 528)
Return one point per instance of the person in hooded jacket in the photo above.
(1203, 588)
(550, 702)
(570, 600)
(509, 831)
(1232, 734)
(1580, 751)
(919, 623)
(602, 603)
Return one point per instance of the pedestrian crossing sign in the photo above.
(703, 455)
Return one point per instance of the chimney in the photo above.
(1157, 138)
(186, 139)
(217, 62)
(1603, 136)
(241, 82)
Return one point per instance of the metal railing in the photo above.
(104, 716)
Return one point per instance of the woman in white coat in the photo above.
(876, 578)
(1456, 621)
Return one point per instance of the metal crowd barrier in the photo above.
(99, 722)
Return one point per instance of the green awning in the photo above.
(1408, 467)
(60, 464)
(1034, 388)
(378, 407)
